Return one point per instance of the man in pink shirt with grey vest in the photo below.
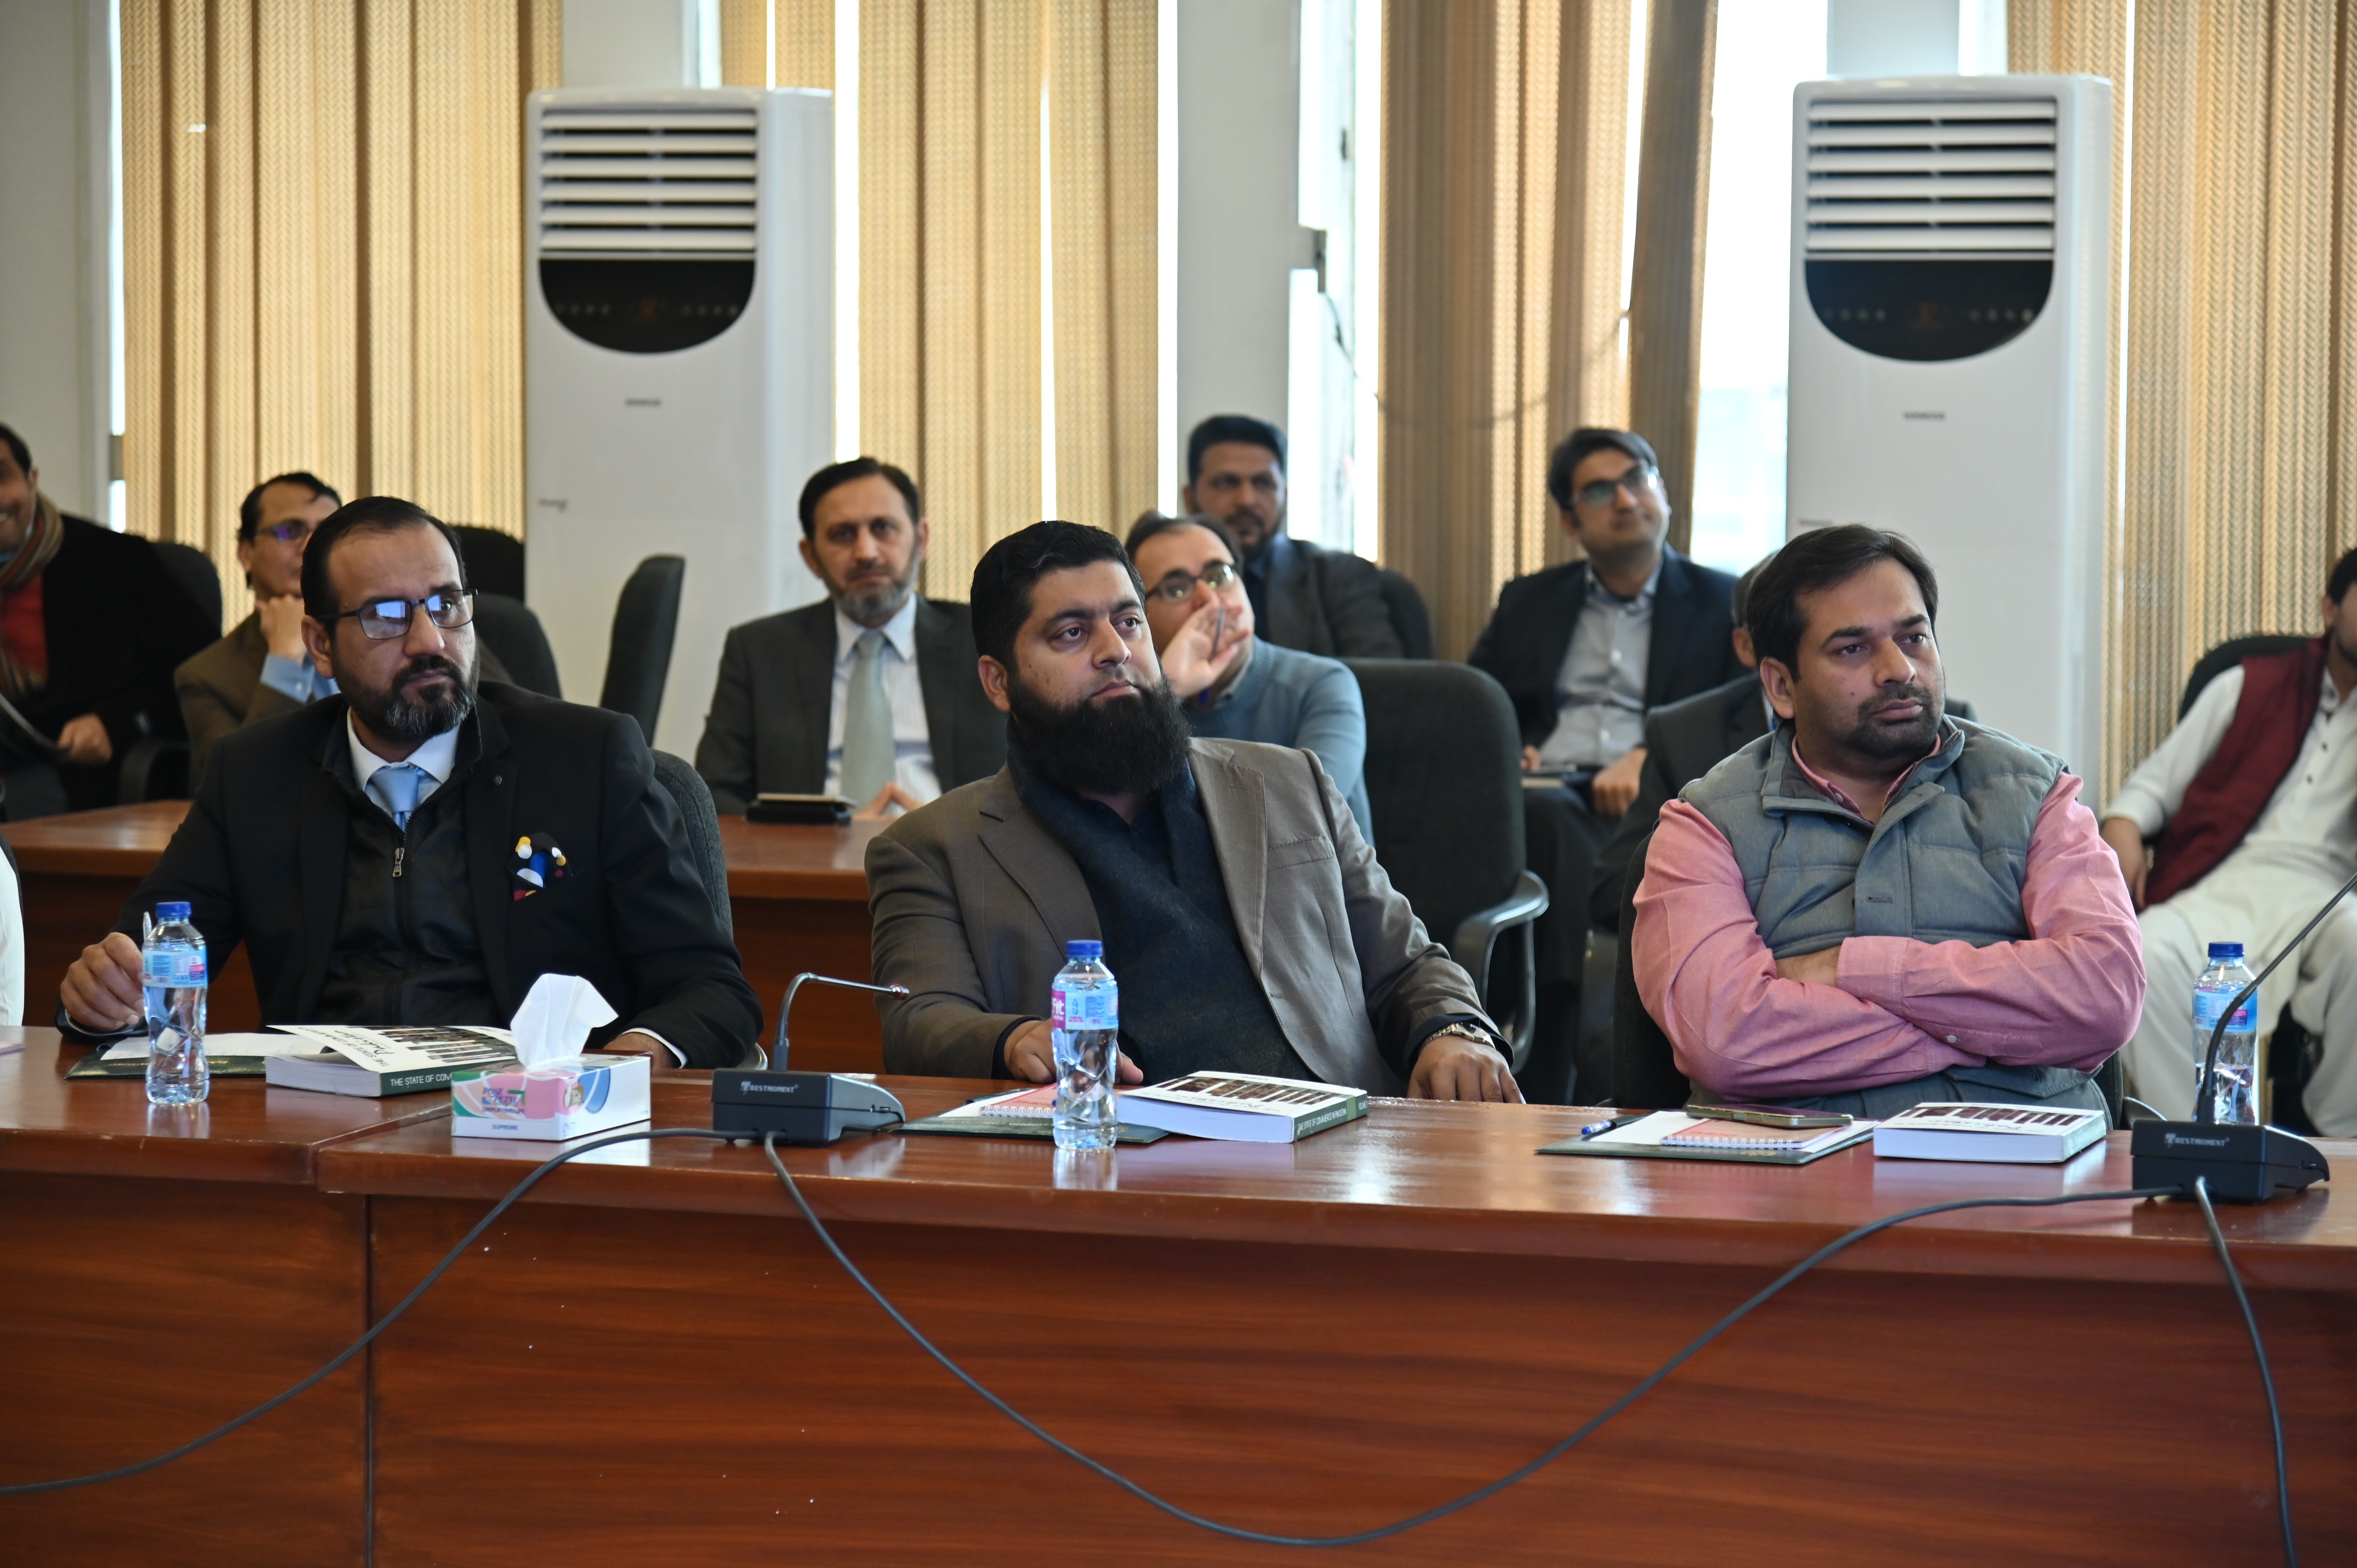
(1877, 905)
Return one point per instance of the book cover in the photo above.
(1243, 1105)
(1996, 1134)
(374, 1063)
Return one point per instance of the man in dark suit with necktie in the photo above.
(419, 850)
(871, 695)
(1586, 651)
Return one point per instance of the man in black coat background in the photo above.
(1586, 651)
(417, 851)
(91, 626)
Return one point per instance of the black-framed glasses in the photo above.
(292, 532)
(1176, 587)
(1636, 479)
(381, 620)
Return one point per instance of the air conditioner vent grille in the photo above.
(664, 182)
(1928, 178)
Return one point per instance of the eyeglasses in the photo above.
(381, 620)
(1637, 479)
(1176, 587)
(288, 532)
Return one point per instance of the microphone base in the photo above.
(805, 1107)
(2240, 1164)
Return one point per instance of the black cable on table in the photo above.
(2258, 1348)
(363, 1343)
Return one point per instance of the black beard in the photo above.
(1868, 738)
(413, 720)
(1120, 747)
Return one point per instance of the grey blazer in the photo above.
(974, 900)
(768, 727)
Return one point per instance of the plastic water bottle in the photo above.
(2237, 1094)
(1084, 1012)
(172, 969)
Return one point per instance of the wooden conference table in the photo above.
(798, 896)
(652, 1359)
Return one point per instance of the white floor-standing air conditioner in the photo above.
(679, 362)
(1950, 352)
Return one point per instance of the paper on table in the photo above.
(136, 1047)
(555, 1019)
(1652, 1130)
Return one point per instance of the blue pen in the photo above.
(1596, 1129)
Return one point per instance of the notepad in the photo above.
(1675, 1136)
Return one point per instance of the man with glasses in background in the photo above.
(418, 849)
(1585, 651)
(1229, 683)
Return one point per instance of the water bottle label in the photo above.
(2206, 1008)
(174, 969)
(1077, 1010)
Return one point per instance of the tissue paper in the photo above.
(553, 1091)
(555, 1019)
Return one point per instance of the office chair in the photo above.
(513, 634)
(493, 560)
(693, 798)
(1445, 786)
(194, 570)
(1410, 621)
(646, 622)
(1644, 1065)
(2228, 654)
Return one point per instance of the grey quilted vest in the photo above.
(1945, 863)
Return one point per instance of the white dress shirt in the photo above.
(912, 748)
(2310, 825)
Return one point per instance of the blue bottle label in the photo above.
(1077, 1010)
(174, 969)
(2208, 1003)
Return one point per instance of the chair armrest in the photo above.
(1477, 932)
(139, 766)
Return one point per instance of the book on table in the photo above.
(1675, 1136)
(227, 1055)
(1242, 1106)
(1999, 1134)
(373, 1063)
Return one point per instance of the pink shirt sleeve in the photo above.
(2068, 995)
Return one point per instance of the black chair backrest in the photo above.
(1644, 1068)
(2228, 654)
(1410, 621)
(646, 621)
(693, 798)
(198, 578)
(509, 628)
(1444, 785)
(494, 560)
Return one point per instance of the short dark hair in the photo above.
(369, 514)
(1740, 601)
(1819, 559)
(16, 448)
(1154, 525)
(834, 476)
(1574, 449)
(1238, 427)
(248, 510)
(2345, 576)
(1003, 578)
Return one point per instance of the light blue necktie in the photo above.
(868, 743)
(396, 789)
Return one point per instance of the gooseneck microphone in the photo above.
(803, 1107)
(2240, 1163)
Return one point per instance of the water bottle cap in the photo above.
(2219, 951)
(1084, 948)
(171, 911)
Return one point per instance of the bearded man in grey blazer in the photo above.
(1244, 915)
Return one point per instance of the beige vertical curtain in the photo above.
(2237, 443)
(322, 254)
(1672, 209)
(1505, 128)
(954, 160)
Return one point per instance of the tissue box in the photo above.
(568, 1099)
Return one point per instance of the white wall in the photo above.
(1915, 38)
(54, 202)
(642, 43)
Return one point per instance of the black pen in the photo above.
(1598, 1129)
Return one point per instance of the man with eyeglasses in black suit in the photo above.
(1585, 649)
(418, 849)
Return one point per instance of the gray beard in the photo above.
(414, 720)
(875, 606)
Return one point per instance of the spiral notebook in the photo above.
(1675, 1136)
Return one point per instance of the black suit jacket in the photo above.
(261, 860)
(1328, 602)
(1526, 639)
(766, 731)
(1682, 741)
(117, 627)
